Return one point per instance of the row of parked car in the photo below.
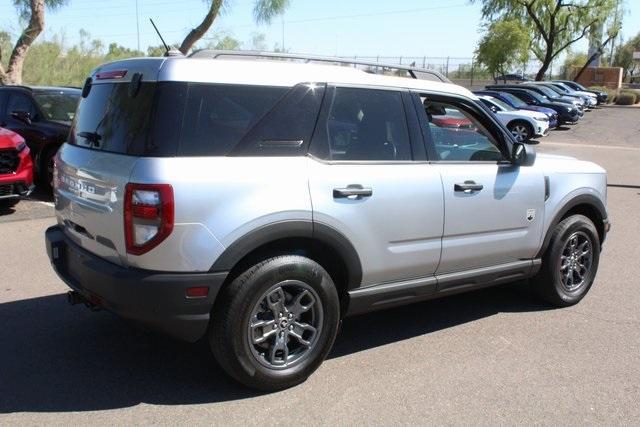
(34, 123)
(531, 109)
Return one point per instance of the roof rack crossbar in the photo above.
(412, 71)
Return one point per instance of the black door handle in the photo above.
(355, 191)
(468, 187)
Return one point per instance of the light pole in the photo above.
(138, 25)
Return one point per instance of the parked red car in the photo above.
(16, 168)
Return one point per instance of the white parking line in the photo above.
(50, 204)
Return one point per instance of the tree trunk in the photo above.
(13, 75)
(197, 33)
(598, 51)
(545, 65)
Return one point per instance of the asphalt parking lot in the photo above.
(490, 357)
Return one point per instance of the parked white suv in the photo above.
(523, 124)
(256, 203)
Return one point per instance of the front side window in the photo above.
(368, 125)
(20, 102)
(58, 105)
(457, 135)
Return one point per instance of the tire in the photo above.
(554, 283)
(8, 203)
(253, 299)
(521, 131)
(46, 168)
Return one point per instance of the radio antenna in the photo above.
(160, 35)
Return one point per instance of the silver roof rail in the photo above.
(414, 72)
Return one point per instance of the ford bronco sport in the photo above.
(256, 203)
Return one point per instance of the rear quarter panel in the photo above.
(218, 200)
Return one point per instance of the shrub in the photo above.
(626, 98)
(636, 92)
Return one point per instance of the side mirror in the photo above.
(23, 116)
(523, 154)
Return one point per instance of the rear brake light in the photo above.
(148, 216)
(116, 74)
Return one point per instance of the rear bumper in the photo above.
(14, 189)
(155, 299)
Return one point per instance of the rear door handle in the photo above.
(354, 191)
(468, 187)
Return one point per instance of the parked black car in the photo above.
(566, 113)
(42, 116)
(511, 78)
(601, 96)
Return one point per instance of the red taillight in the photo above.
(148, 216)
(106, 75)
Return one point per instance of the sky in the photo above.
(411, 28)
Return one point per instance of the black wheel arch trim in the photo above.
(583, 199)
(293, 229)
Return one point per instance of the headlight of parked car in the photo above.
(542, 118)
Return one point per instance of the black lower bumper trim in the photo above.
(155, 299)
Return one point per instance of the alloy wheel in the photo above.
(575, 261)
(520, 133)
(285, 324)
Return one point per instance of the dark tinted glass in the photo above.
(216, 117)
(287, 128)
(110, 119)
(367, 124)
(20, 102)
(3, 100)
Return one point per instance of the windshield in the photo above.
(535, 95)
(514, 100)
(503, 105)
(550, 93)
(579, 86)
(58, 105)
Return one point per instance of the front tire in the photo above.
(274, 324)
(521, 131)
(570, 263)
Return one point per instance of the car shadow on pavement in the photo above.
(57, 358)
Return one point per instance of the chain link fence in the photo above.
(463, 71)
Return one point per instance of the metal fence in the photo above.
(461, 70)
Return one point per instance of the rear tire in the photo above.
(274, 324)
(8, 203)
(570, 263)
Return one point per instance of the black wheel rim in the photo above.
(576, 261)
(285, 324)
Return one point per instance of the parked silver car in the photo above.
(256, 203)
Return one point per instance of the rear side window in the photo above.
(216, 117)
(171, 118)
(366, 125)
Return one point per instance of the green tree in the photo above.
(624, 56)
(504, 45)
(571, 61)
(33, 13)
(263, 11)
(555, 25)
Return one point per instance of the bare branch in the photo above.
(584, 32)
(536, 20)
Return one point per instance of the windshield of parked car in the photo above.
(514, 100)
(537, 96)
(58, 105)
(503, 105)
(549, 92)
(579, 86)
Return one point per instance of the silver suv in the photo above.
(256, 203)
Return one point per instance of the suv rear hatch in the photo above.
(106, 139)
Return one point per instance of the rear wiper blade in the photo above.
(93, 137)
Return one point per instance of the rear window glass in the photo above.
(171, 118)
